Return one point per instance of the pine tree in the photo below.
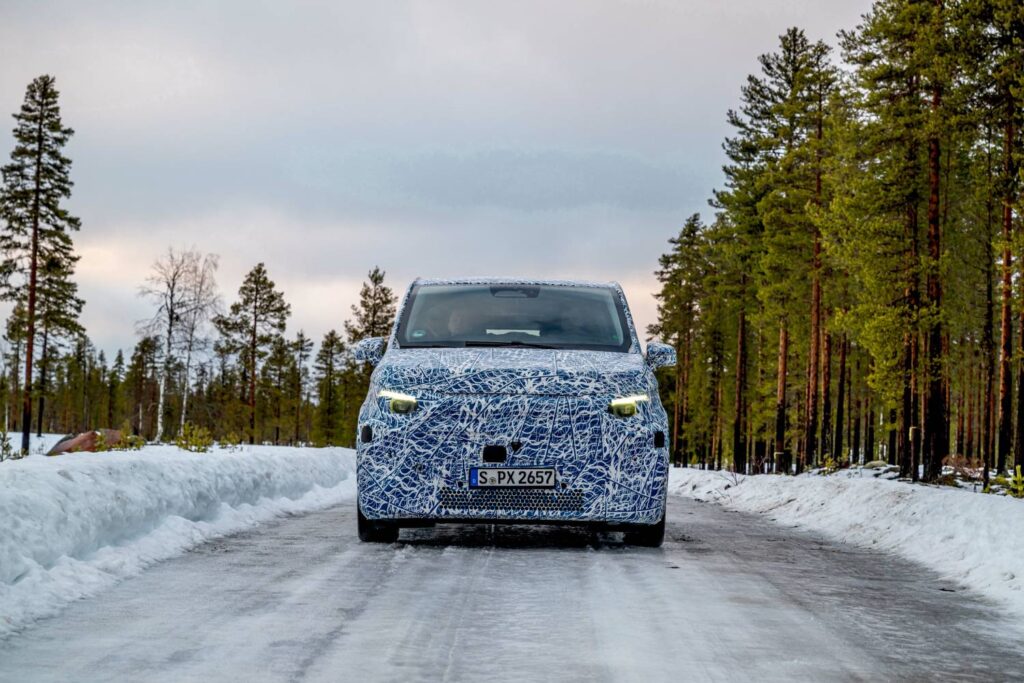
(775, 174)
(14, 335)
(736, 244)
(37, 226)
(279, 366)
(302, 347)
(375, 314)
(991, 38)
(887, 58)
(58, 308)
(115, 378)
(681, 274)
(328, 368)
(141, 382)
(250, 327)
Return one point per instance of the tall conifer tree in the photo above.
(37, 226)
(250, 328)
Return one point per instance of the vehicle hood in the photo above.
(513, 371)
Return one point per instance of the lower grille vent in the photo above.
(511, 499)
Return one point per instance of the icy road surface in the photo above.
(730, 597)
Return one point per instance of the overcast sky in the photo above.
(563, 139)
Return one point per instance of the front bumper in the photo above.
(416, 466)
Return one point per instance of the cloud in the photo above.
(322, 283)
(430, 137)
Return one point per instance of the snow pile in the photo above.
(73, 525)
(976, 540)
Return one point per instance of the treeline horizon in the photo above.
(856, 293)
(200, 372)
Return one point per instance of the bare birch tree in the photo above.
(204, 303)
(183, 287)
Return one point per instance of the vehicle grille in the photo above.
(539, 500)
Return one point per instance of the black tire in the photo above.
(647, 535)
(374, 531)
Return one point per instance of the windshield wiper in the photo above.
(496, 343)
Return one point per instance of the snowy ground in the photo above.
(73, 525)
(730, 597)
(264, 580)
(975, 540)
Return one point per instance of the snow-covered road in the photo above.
(730, 596)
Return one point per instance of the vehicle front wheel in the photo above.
(374, 531)
(648, 536)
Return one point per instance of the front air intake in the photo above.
(510, 500)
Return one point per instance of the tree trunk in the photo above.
(187, 385)
(252, 370)
(278, 409)
(677, 404)
(908, 413)
(781, 455)
(1009, 199)
(850, 414)
(855, 455)
(12, 408)
(42, 382)
(987, 433)
(971, 391)
(30, 317)
(718, 427)
(869, 429)
(1005, 351)
(892, 442)
(111, 404)
(916, 414)
(826, 394)
(739, 448)
(684, 446)
(961, 408)
(162, 388)
(837, 450)
(298, 395)
(936, 417)
(1018, 442)
(811, 409)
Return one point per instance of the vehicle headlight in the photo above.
(626, 406)
(398, 402)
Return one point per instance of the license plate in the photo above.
(512, 477)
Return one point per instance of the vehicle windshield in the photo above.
(539, 316)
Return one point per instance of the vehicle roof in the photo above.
(514, 281)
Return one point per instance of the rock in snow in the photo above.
(86, 441)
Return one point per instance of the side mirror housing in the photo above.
(370, 350)
(660, 355)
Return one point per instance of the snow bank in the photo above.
(974, 539)
(73, 525)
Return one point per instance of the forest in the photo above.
(855, 293)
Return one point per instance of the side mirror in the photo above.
(660, 355)
(370, 350)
